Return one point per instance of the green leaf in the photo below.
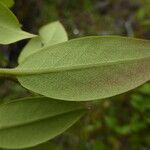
(49, 34)
(10, 30)
(53, 33)
(31, 121)
(8, 3)
(33, 46)
(87, 68)
(43, 146)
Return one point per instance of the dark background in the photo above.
(118, 123)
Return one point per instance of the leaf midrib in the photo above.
(39, 120)
(24, 72)
(17, 30)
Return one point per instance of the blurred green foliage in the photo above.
(118, 123)
(8, 3)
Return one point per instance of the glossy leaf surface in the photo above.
(87, 68)
(31, 121)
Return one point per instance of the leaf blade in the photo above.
(8, 3)
(53, 33)
(34, 121)
(70, 73)
(31, 47)
(50, 34)
(10, 30)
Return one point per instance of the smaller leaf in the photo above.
(30, 121)
(10, 30)
(53, 33)
(32, 46)
(50, 34)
